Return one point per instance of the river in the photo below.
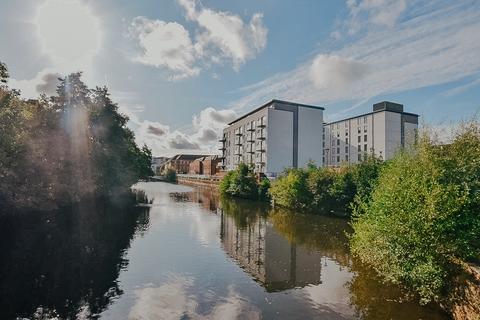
(187, 254)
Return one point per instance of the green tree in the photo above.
(423, 215)
(240, 183)
(291, 190)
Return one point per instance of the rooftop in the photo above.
(275, 101)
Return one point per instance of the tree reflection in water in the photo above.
(282, 249)
(65, 263)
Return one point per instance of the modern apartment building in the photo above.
(275, 136)
(381, 132)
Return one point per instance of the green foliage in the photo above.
(291, 190)
(240, 183)
(264, 189)
(171, 176)
(325, 189)
(58, 150)
(423, 215)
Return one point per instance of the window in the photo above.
(364, 147)
(338, 142)
(359, 148)
(323, 159)
(346, 158)
(365, 138)
(364, 119)
(359, 139)
(323, 144)
(338, 150)
(359, 157)
(346, 149)
(338, 158)
(365, 129)
(359, 131)
(346, 133)
(346, 140)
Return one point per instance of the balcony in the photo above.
(262, 137)
(222, 148)
(261, 125)
(238, 133)
(222, 139)
(251, 128)
(260, 148)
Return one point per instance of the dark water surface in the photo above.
(188, 255)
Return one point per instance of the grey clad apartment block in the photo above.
(282, 134)
(275, 136)
(382, 133)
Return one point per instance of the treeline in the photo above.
(325, 190)
(61, 149)
(415, 218)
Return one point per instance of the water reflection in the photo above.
(65, 264)
(188, 254)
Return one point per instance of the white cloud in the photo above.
(201, 137)
(332, 72)
(165, 45)
(224, 35)
(437, 45)
(220, 37)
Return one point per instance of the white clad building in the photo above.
(382, 132)
(275, 136)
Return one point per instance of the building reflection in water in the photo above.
(264, 253)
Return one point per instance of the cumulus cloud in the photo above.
(220, 37)
(224, 36)
(199, 137)
(165, 45)
(181, 141)
(49, 84)
(336, 73)
(156, 130)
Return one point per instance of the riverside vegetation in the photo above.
(58, 150)
(415, 218)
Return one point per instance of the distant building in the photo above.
(381, 132)
(181, 162)
(207, 165)
(157, 163)
(275, 136)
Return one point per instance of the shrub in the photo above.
(240, 183)
(171, 176)
(291, 190)
(422, 215)
(264, 189)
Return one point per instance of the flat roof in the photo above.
(370, 113)
(275, 101)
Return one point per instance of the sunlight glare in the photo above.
(69, 32)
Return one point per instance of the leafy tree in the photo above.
(423, 215)
(291, 190)
(240, 183)
(171, 175)
(62, 149)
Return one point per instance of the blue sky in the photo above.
(181, 69)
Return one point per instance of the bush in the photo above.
(291, 190)
(264, 189)
(240, 183)
(325, 189)
(171, 176)
(423, 215)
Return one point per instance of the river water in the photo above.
(187, 254)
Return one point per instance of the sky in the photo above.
(182, 69)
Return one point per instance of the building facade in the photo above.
(275, 136)
(381, 133)
(181, 162)
(157, 164)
